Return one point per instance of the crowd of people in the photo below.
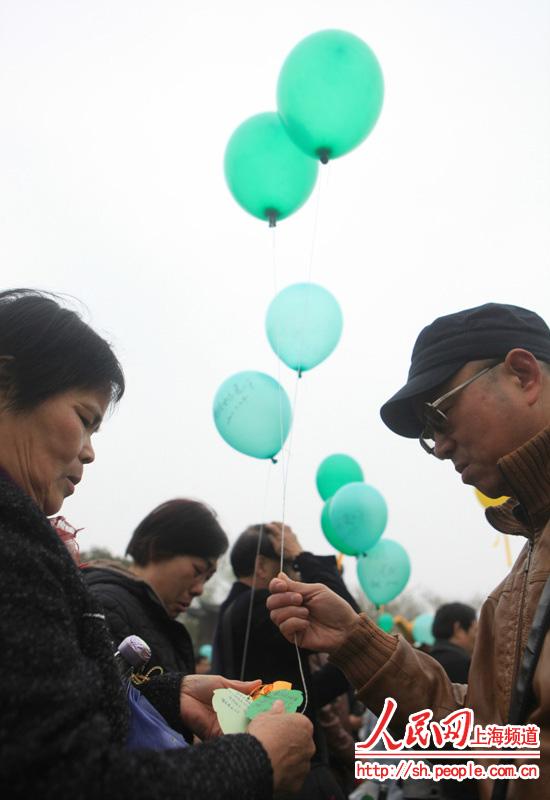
(478, 394)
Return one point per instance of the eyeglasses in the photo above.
(435, 420)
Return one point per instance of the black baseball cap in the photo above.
(442, 348)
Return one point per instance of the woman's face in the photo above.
(177, 580)
(44, 450)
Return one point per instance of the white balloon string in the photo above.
(274, 258)
(253, 588)
(302, 676)
(286, 468)
(319, 193)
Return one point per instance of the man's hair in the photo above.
(177, 528)
(46, 350)
(244, 551)
(446, 616)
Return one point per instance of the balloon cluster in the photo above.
(329, 97)
(353, 519)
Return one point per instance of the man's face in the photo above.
(486, 420)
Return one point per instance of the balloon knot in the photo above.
(271, 214)
(324, 154)
(273, 460)
(300, 372)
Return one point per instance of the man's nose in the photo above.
(443, 445)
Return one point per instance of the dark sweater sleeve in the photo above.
(323, 569)
(115, 615)
(328, 682)
(64, 717)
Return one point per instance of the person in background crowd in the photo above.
(255, 559)
(65, 715)
(175, 550)
(454, 629)
(477, 395)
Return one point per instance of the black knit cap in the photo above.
(442, 348)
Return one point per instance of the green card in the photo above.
(291, 698)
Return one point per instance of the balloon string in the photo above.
(302, 676)
(274, 258)
(319, 193)
(253, 588)
(286, 467)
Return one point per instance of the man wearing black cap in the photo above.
(477, 394)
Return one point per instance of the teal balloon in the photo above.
(303, 325)
(326, 525)
(266, 173)
(205, 651)
(385, 622)
(252, 413)
(384, 571)
(336, 471)
(422, 629)
(358, 516)
(330, 93)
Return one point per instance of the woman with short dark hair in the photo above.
(64, 718)
(175, 550)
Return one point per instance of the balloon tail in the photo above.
(271, 215)
(324, 154)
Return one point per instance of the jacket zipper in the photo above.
(520, 621)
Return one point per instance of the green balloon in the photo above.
(384, 571)
(336, 471)
(303, 325)
(330, 93)
(385, 622)
(358, 516)
(252, 413)
(266, 173)
(326, 525)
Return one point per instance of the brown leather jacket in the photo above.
(380, 665)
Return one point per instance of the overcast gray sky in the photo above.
(115, 116)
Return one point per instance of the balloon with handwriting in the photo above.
(358, 517)
(330, 93)
(266, 173)
(252, 413)
(384, 571)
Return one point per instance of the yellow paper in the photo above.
(230, 706)
(266, 688)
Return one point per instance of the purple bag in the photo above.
(148, 729)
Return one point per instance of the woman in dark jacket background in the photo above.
(64, 718)
(175, 550)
